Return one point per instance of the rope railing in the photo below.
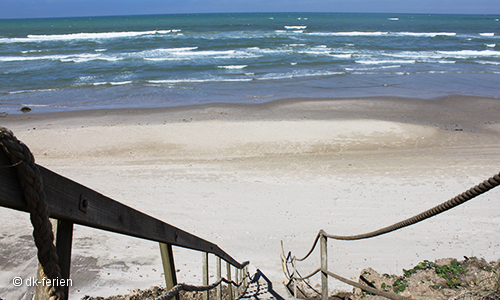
(193, 288)
(322, 236)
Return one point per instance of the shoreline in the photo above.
(247, 176)
(246, 111)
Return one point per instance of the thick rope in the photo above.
(31, 182)
(475, 191)
(193, 288)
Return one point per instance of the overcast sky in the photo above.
(70, 8)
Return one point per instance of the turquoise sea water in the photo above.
(166, 60)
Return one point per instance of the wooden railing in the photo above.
(72, 203)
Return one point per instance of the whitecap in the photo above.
(491, 45)
(178, 49)
(469, 53)
(32, 91)
(120, 82)
(425, 34)
(393, 19)
(373, 68)
(233, 67)
(485, 62)
(81, 36)
(296, 27)
(351, 33)
(487, 34)
(376, 62)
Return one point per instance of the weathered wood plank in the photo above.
(206, 294)
(167, 258)
(73, 202)
(64, 242)
(11, 193)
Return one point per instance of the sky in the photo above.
(77, 8)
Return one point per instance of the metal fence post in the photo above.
(324, 267)
(205, 274)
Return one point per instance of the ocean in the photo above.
(187, 59)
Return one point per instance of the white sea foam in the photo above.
(373, 68)
(83, 36)
(341, 55)
(100, 50)
(32, 91)
(491, 45)
(487, 34)
(179, 49)
(187, 53)
(192, 80)
(351, 33)
(233, 67)
(376, 62)
(298, 27)
(393, 19)
(469, 53)
(485, 62)
(121, 82)
(85, 57)
(31, 51)
(31, 58)
(425, 34)
(165, 58)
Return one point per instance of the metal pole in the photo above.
(324, 267)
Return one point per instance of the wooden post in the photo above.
(205, 274)
(64, 241)
(237, 280)
(167, 258)
(245, 273)
(294, 274)
(324, 267)
(63, 233)
(229, 286)
(219, 276)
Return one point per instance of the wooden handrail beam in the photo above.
(73, 202)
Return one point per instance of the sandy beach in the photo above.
(249, 176)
